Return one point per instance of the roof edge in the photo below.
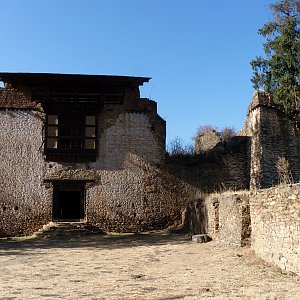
(22, 76)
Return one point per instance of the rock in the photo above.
(200, 238)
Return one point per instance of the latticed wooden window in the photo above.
(52, 131)
(90, 132)
(71, 135)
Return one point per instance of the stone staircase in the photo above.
(67, 229)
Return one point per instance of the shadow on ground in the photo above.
(93, 240)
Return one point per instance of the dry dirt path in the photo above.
(154, 266)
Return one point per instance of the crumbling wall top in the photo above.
(11, 98)
(260, 99)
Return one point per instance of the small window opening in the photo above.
(1, 84)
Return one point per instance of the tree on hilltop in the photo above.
(279, 73)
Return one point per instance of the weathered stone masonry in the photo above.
(273, 135)
(275, 217)
(275, 211)
(226, 166)
(249, 159)
(25, 201)
(125, 188)
(228, 217)
(139, 197)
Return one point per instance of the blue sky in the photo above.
(196, 51)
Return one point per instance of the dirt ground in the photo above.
(148, 266)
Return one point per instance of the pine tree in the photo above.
(279, 73)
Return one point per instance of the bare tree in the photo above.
(177, 147)
(227, 133)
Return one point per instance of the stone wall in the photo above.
(212, 212)
(123, 132)
(195, 217)
(25, 201)
(274, 135)
(275, 218)
(226, 166)
(229, 218)
(249, 159)
(206, 140)
(140, 197)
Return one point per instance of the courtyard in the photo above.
(136, 266)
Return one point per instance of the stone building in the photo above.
(83, 148)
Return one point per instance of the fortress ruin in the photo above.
(88, 148)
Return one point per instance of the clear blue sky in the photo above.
(196, 51)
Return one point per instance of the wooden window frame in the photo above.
(71, 134)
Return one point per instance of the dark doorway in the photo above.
(68, 203)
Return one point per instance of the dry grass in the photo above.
(228, 192)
